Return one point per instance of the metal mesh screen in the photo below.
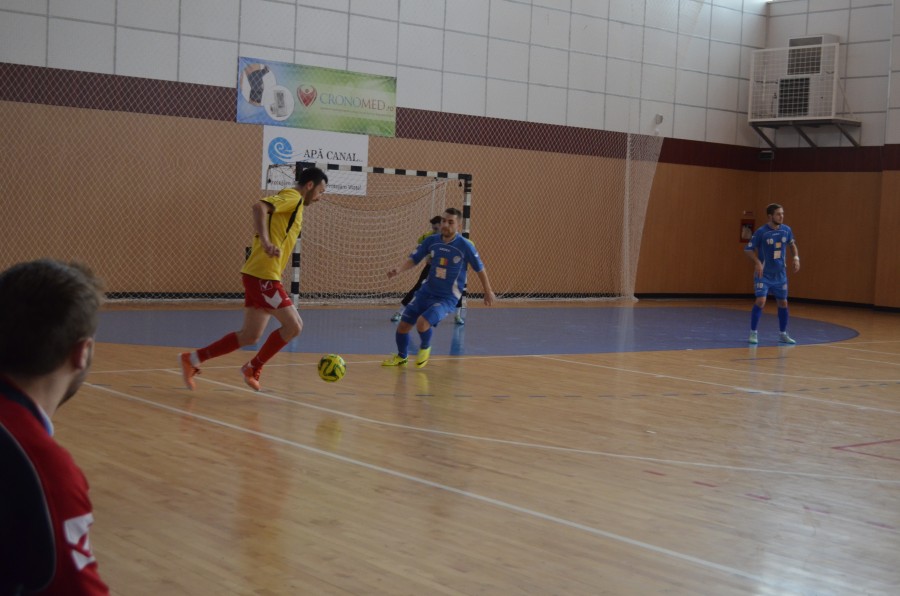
(795, 83)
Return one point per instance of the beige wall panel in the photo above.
(163, 177)
(179, 179)
(691, 242)
(553, 209)
(834, 216)
(887, 271)
(544, 222)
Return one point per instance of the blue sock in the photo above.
(782, 318)
(425, 336)
(755, 315)
(402, 344)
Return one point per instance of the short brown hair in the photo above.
(772, 208)
(46, 307)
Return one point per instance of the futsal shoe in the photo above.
(395, 360)
(422, 357)
(459, 320)
(784, 338)
(251, 376)
(754, 337)
(188, 370)
(396, 316)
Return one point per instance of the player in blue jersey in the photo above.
(435, 229)
(451, 255)
(767, 249)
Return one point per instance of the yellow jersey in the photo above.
(284, 228)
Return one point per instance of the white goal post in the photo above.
(368, 219)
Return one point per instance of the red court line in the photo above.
(852, 449)
(867, 444)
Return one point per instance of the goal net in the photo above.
(369, 220)
(371, 217)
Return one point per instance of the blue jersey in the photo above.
(449, 262)
(770, 245)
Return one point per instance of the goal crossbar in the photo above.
(465, 181)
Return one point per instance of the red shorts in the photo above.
(264, 293)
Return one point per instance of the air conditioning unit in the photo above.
(805, 53)
(798, 86)
(813, 40)
(807, 89)
(805, 96)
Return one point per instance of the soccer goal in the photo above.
(368, 220)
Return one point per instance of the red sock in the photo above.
(273, 344)
(226, 345)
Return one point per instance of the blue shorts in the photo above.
(433, 308)
(762, 287)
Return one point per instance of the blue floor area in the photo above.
(494, 331)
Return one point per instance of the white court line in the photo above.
(463, 493)
(206, 367)
(859, 350)
(558, 448)
(572, 450)
(809, 378)
(859, 343)
(875, 361)
(733, 387)
(542, 446)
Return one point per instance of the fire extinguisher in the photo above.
(748, 225)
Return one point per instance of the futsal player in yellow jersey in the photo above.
(277, 221)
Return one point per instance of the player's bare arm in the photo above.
(261, 211)
(406, 264)
(751, 254)
(796, 258)
(489, 296)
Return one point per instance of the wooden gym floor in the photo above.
(687, 470)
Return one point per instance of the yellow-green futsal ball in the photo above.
(332, 368)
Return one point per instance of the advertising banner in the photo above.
(292, 95)
(290, 145)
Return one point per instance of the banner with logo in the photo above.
(281, 94)
(290, 145)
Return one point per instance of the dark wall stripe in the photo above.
(803, 159)
(716, 155)
(890, 157)
(826, 159)
(510, 134)
(69, 88)
(77, 89)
